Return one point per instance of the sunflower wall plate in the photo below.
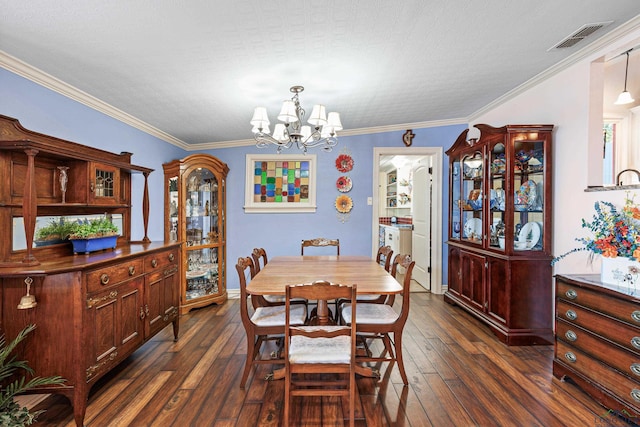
(344, 204)
(344, 184)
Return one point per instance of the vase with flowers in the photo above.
(615, 236)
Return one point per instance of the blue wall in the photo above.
(48, 112)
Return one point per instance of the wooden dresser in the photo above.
(598, 340)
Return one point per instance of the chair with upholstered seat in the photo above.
(264, 324)
(320, 242)
(317, 358)
(259, 254)
(383, 257)
(379, 321)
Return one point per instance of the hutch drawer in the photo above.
(102, 278)
(160, 260)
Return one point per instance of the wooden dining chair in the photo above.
(265, 323)
(383, 257)
(320, 242)
(317, 358)
(259, 254)
(379, 321)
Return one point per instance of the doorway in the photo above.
(425, 165)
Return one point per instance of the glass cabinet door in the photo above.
(528, 184)
(472, 184)
(202, 233)
(455, 198)
(497, 196)
(174, 206)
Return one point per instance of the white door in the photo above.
(421, 239)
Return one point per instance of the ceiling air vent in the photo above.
(579, 35)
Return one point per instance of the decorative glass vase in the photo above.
(620, 271)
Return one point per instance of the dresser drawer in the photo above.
(621, 333)
(160, 260)
(102, 278)
(597, 301)
(593, 345)
(620, 385)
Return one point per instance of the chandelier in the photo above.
(321, 133)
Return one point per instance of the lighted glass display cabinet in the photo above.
(195, 215)
(500, 230)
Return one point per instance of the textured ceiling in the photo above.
(195, 70)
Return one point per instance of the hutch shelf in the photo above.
(195, 209)
(98, 307)
(500, 230)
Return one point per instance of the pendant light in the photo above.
(625, 96)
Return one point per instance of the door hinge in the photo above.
(428, 269)
(430, 170)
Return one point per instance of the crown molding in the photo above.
(597, 45)
(38, 76)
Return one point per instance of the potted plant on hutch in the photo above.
(57, 231)
(90, 235)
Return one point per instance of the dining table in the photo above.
(370, 278)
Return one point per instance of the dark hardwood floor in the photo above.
(459, 375)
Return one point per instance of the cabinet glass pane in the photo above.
(472, 183)
(174, 205)
(201, 205)
(529, 194)
(456, 202)
(104, 183)
(497, 197)
(202, 272)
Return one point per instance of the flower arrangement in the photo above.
(616, 232)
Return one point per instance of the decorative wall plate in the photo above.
(344, 204)
(344, 184)
(344, 163)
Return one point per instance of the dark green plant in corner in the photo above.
(11, 414)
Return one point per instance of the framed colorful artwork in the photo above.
(280, 183)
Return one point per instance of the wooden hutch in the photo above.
(98, 307)
(500, 209)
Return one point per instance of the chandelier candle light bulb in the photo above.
(322, 132)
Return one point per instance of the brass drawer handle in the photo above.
(636, 316)
(570, 357)
(172, 257)
(635, 341)
(635, 368)
(571, 315)
(104, 278)
(154, 263)
(571, 336)
(635, 394)
(141, 313)
(571, 294)
(132, 270)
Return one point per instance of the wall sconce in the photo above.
(28, 300)
(625, 96)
